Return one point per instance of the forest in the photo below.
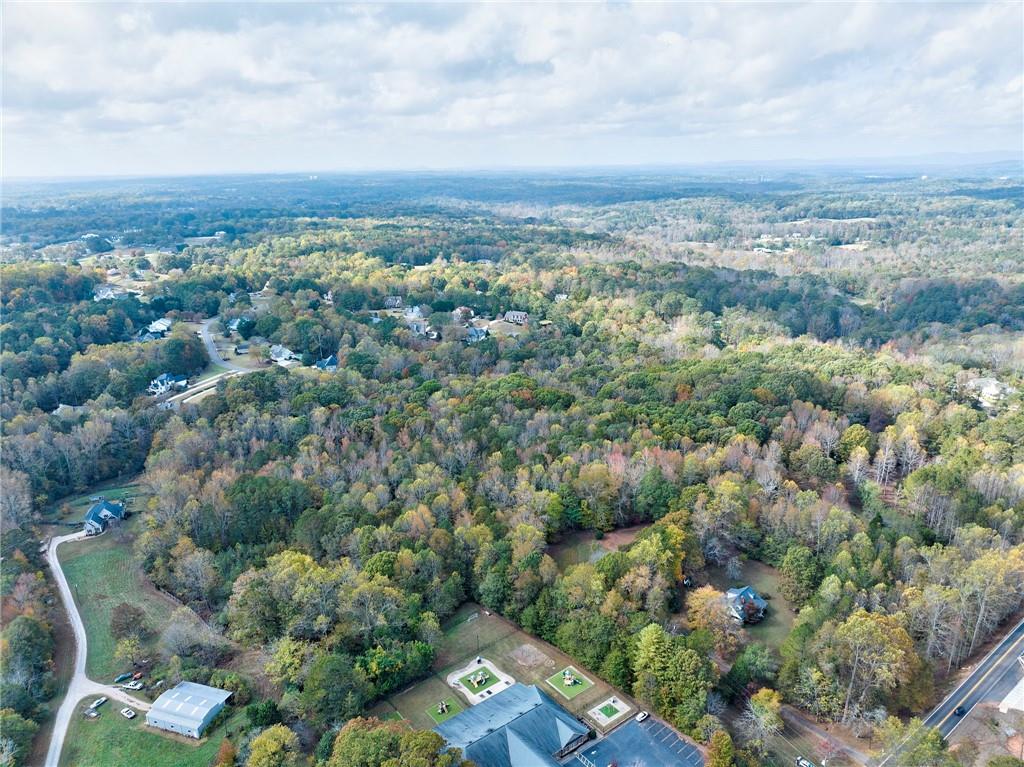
(691, 367)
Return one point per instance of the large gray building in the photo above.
(518, 727)
(187, 708)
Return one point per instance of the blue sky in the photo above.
(98, 89)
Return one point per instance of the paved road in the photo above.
(81, 686)
(211, 348)
(977, 687)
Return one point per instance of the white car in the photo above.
(127, 713)
(641, 716)
(136, 685)
(801, 762)
(97, 703)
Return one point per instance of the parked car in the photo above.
(641, 716)
(801, 762)
(122, 677)
(97, 703)
(132, 686)
(127, 713)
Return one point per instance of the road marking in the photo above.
(975, 687)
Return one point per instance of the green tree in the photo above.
(276, 746)
(720, 750)
(19, 731)
(799, 575)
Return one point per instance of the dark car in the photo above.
(959, 710)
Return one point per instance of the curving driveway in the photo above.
(81, 686)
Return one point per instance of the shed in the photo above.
(187, 708)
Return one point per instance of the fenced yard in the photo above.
(471, 633)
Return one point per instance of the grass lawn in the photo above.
(609, 710)
(102, 575)
(454, 707)
(490, 681)
(113, 741)
(570, 691)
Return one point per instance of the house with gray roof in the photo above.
(746, 605)
(187, 708)
(518, 727)
(99, 515)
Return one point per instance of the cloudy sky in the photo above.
(174, 88)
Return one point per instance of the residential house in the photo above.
(475, 334)
(517, 317)
(107, 292)
(560, 297)
(164, 382)
(462, 315)
(413, 313)
(187, 708)
(745, 605)
(419, 327)
(329, 298)
(328, 364)
(242, 348)
(69, 411)
(517, 727)
(160, 326)
(989, 392)
(393, 302)
(280, 354)
(99, 515)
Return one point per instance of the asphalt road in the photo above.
(977, 687)
(81, 686)
(211, 348)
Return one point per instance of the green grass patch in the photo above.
(778, 622)
(570, 691)
(113, 741)
(102, 574)
(454, 707)
(489, 680)
(609, 710)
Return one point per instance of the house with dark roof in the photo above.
(393, 302)
(517, 317)
(746, 605)
(328, 364)
(99, 515)
(518, 727)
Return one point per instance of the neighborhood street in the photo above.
(211, 348)
(80, 686)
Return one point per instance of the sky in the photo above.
(187, 88)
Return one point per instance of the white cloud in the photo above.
(99, 88)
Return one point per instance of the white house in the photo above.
(517, 317)
(164, 382)
(107, 292)
(281, 354)
(989, 392)
(160, 326)
(188, 708)
(413, 313)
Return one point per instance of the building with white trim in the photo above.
(187, 709)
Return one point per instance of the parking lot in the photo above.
(641, 744)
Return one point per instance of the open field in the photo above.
(583, 546)
(102, 575)
(527, 659)
(557, 680)
(774, 629)
(113, 741)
